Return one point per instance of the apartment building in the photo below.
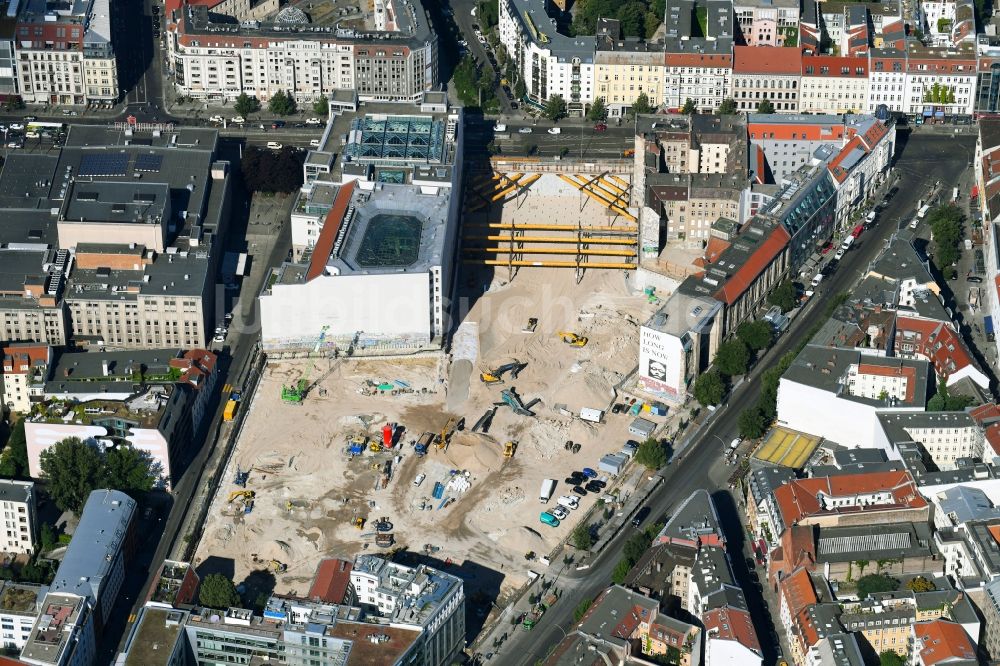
(549, 62)
(766, 74)
(64, 633)
(942, 642)
(625, 68)
(24, 371)
(18, 517)
(887, 80)
(65, 57)
(20, 606)
(834, 85)
(940, 82)
(698, 68)
(767, 22)
(215, 52)
(31, 286)
(946, 436)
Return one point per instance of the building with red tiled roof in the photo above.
(847, 499)
(939, 343)
(795, 594)
(25, 370)
(942, 642)
(730, 638)
(766, 74)
(332, 583)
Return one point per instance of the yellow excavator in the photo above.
(572, 339)
(496, 376)
(278, 567)
(241, 494)
(358, 522)
(508, 450)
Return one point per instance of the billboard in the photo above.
(661, 362)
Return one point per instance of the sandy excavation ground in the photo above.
(308, 490)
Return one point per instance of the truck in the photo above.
(532, 617)
(548, 488)
(923, 211)
(231, 405)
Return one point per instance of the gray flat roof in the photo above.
(116, 201)
(561, 46)
(96, 543)
(16, 491)
(847, 544)
(85, 370)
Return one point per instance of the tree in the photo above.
(217, 591)
(642, 105)
(520, 90)
(632, 17)
(598, 111)
(620, 573)
(282, 104)
(732, 357)
(581, 609)
(784, 296)
(765, 106)
(245, 105)
(581, 537)
(756, 335)
(890, 658)
(652, 454)
(728, 107)
(920, 584)
(709, 388)
(271, 171)
(73, 470)
(321, 107)
(689, 108)
(48, 537)
(14, 459)
(465, 78)
(875, 583)
(946, 223)
(555, 108)
(635, 546)
(129, 470)
(753, 423)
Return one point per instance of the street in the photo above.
(925, 159)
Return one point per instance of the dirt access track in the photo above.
(308, 490)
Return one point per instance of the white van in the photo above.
(420, 479)
(569, 502)
(923, 211)
(816, 280)
(848, 242)
(870, 217)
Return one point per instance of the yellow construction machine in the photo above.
(241, 494)
(358, 522)
(445, 436)
(375, 446)
(572, 339)
(278, 567)
(508, 450)
(496, 376)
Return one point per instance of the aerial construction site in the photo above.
(445, 453)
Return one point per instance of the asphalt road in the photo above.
(926, 158)
(576, 138)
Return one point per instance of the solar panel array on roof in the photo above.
(104, 164)
(148, 162)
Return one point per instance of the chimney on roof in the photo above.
(104, 368)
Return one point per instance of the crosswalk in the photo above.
(228, 388)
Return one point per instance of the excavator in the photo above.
(516, 403)
(241, 494)
(508, 450)
(572, 339)
(496, 376)
(278, 567)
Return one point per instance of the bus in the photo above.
(51, 128)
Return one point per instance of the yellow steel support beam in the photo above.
(550, 250)
(559, 239)
(551, 264)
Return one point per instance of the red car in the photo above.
(826, 248)
(601, 127)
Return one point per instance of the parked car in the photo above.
(313, 121)
(277, 124)
(499, 127)
(555, 130)
(549, 519)
(570, 481)
(569, 502)
(579, 476)
(524, 130)
(973, 278)
(640, 516)
(239, 120)
(314, 143)
(559, 512)
(219, 338)
(217, 119)
(589, 473)
(579, 490)
(839, 254)
(17, 127)
(601, 127)
(594, 487)
(597, 483)
(274, 145)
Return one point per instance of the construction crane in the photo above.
(496, 376)
(296, 394)
(572, 339)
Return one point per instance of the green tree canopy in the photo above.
(598, 111)
(73, 470)
(520, 90)
(245, 105)
(14, 459)
(874, 583)
(727, 108)
(920, 584)
(753, 423)
(732, 357)
(689, 108)
(217, 591)
(272, 171)
(890, 658)
(652, 454)
(765, 106)
(282, 104)
(581, 537)
(321, 107)
(642, 105)
(130, 470)
(620, 573)
(784, 296)
(709, 388)
(946, 223)
(756, 335)
(555, 108)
